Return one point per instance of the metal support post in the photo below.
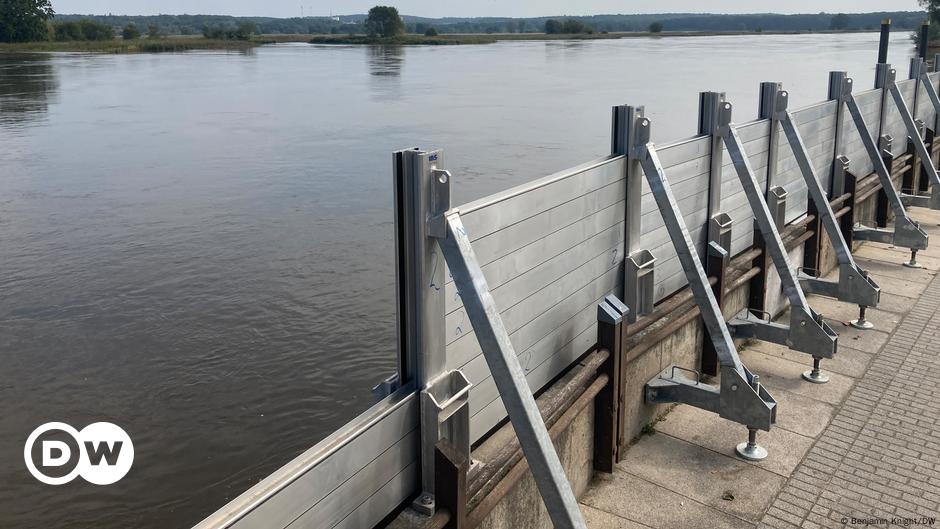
(907, 233)
(883, 40)
(718, 250)
(842, 174)
(807, 331)
(639, 266)
(924, 40)
(422, 191)
(508, 375)
(450, 475)
(882, 208)
(609, 434)
(737, 398)
(931, 87)
(776, 198)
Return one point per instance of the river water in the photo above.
(198, 246)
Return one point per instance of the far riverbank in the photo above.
(188, 43)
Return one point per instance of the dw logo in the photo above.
(102, 453)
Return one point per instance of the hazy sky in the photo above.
(439, 8)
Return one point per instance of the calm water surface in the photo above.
(198, 246)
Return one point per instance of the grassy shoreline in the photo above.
(188, 43)
(168, 44)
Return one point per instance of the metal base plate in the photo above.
(818, 379)
(751, 452)
(914, 264)
(862, 324)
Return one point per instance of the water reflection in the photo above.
(386, 60)
(28, 84)
(565, 49)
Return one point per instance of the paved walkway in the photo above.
(863, 449)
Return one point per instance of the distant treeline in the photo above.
(353, 24)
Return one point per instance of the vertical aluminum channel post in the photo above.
(422, 194)
(718, 245)
(807, 331)
(854, 285)
(639, 265)
(740, 397)
(514, 390)
(775, 196)
(933, 99)
(907, 233)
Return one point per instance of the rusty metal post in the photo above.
(883, 41)
(609, 434)
(882, 207)
(450, 479)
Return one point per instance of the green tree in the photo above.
(130, 32)
(153, 31)
(840, 21)
(24, 20)
(572, 26)
(384, 21)
(430, 32)
(933, 15)
(553, 26)
(93, 30)
(933, 10)
(245, 30)
(656, 27)
(84, 29)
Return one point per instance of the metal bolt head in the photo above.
(734, 387)
(426, 499)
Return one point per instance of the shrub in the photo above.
(130, 32)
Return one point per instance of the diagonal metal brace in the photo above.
(854, 285)
(907, 233)
(932, 201)
(739, 397)
(510, 379)
(807, 331)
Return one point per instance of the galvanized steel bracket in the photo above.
(907, 233)
(807, 331)
(854, 285)
(640, 281)
(739, 397)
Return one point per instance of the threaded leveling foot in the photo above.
(861, 322)
(815, 375)
(751, 450)
(913, 262)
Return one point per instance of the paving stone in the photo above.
(892, 254)
(847, 361)
(720, 435)
(800, 414)
(864, 340)
(900, 287)
(780, 374)
(897, 270)
(598, 519)
(838, 312)
(703, 475)
(636, 500)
